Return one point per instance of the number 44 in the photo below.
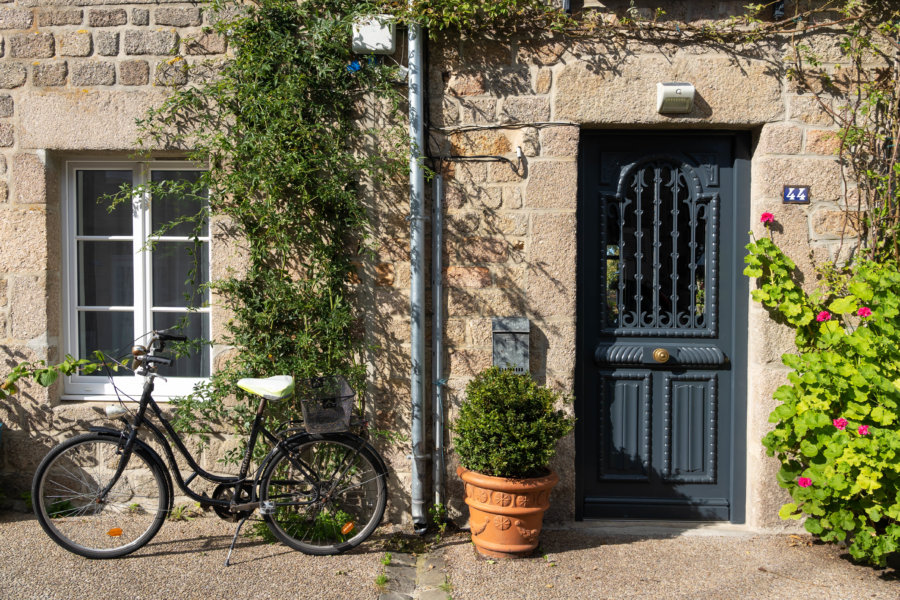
(796, 194)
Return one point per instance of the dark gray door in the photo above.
(659, 396)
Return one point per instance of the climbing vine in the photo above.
(280, 127)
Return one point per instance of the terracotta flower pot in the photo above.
(506, 515)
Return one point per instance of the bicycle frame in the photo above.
(320, 493)
(141, 420)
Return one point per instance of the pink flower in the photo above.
(864, 311)
(767, 218)
(863, 430)
(840, 423)
(823, 316)
(804, 482)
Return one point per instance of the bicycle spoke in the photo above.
(355, 486)
(66, 492)
(346, 493)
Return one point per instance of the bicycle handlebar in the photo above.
(160, 360)
(165, 335)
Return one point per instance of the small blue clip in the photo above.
(354, 67)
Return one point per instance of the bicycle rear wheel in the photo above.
(66, 492)
(327, 493)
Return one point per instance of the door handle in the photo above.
(661, 355)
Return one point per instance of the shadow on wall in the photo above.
(486, 96)
(30, 429)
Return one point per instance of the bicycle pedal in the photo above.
(267, 507)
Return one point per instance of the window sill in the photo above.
(107, 398)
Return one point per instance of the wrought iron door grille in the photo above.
(660, 238)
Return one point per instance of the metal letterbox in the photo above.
(510, 342)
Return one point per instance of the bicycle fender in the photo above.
(148, 450)
(374, 450)
(348, 437)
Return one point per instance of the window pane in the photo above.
(175, 282)
(94, 217)
(181, 202)
(111, 332)
(105, 273)
(196, 327)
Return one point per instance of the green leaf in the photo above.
(783, 413)
(861, 289)
(843, 306)
(808, 449)
(751, 271)
(874, 513)
(831, 327)
(789, 511)
(813, 526)
(46, 377)
(838, 483)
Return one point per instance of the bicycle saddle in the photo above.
(277, 387)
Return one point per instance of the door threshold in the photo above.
(656, 528)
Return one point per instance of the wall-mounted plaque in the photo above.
(796, 194)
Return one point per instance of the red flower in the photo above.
(864, 311)
(823, 316)
(804, 482)
(840, 423)
(766, 218)
(863, 430)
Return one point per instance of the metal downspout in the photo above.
(417, 274)
(437, 338)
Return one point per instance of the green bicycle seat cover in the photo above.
(270, 388)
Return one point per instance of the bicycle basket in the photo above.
(326, 402)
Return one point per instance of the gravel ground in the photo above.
(598, 566)
(185, 561)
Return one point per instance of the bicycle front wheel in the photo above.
(324, 494)
(67, 502)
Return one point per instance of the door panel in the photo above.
(657, 325)
(625, 436)
(689, 418)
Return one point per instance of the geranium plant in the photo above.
(837, 427)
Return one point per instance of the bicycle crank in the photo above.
(226, 492)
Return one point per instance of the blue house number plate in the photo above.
(796, 194)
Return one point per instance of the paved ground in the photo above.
(185, 561)
(583, 562)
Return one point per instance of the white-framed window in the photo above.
(116, 288)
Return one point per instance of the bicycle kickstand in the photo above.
(234, 540)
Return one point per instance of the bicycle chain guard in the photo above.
(224, 491)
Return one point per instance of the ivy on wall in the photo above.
(279, 127)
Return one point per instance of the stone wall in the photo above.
(74, 75)
(511, 226)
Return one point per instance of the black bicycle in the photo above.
(106, 493)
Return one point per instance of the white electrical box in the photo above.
(374, 35)
(674, 97)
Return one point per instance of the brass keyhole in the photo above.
(661, 355)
